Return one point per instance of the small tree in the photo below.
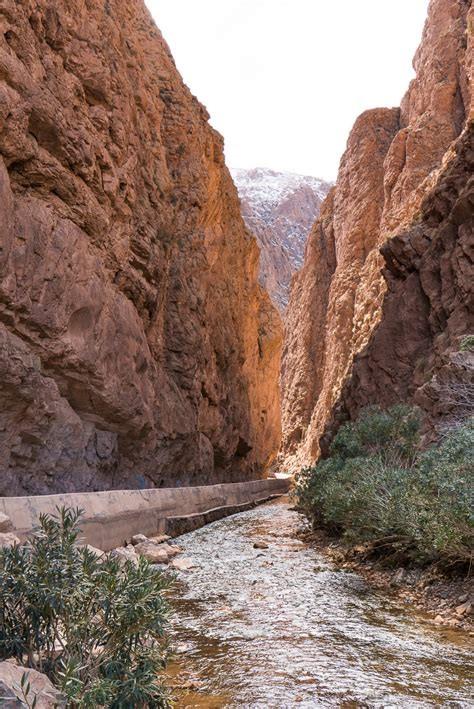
(93, 626)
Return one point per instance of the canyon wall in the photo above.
(136, 347)
(402, 203)
(280, 209)
(416, 353)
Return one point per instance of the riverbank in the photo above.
(446, 601)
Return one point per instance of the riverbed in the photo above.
(283, 627)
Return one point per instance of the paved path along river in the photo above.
(282, 627)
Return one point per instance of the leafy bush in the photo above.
(94, 627)
(444, 490)
(376, 486)
(467, 344)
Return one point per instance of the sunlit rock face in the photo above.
(404, 184)
(136, 345)
(280, 209)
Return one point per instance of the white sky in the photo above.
(284, 80)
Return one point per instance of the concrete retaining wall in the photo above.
(112, 517)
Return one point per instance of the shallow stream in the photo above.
(282, 627)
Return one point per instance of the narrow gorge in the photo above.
(138, 346)
(183, 341)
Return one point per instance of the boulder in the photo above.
(154, 553)
(8, 698)
(464, 609)
(138, 539)
(5, 523)
(98, 553)
(171, 549)
(160, 539)
(41, 688)
(183, 564)
(124, 554)
(8, 539)
(260, 545)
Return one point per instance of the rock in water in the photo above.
(356, 336)
(183, 564)
(136, 345)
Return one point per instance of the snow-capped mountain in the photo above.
(280, 209)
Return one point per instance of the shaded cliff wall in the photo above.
(394, 159)
(415, 352)
(136, 346)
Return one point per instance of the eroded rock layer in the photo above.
(393, 176)
(136, 346)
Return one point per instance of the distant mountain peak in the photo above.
(279, 208)
(261, 184)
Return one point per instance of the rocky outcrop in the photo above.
(136, 347)
(279, 208)
(404, 174)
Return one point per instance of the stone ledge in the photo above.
(112, 517)
(175, 526)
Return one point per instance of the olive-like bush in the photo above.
(378, 486)
(444, 491)
(467, 344)
(95, 627)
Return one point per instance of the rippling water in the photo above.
(282, 627)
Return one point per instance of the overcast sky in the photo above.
(284, 80)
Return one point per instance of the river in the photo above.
(283, 627)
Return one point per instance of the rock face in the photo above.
(415, 353)
(136, 346)
(404, 184)
(279, 208)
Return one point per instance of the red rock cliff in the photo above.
(136, 346)
(397, 169)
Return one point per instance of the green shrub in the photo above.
(376, 486)
(96, 628)
(390, 434)
(444, 487)
(467, 344)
